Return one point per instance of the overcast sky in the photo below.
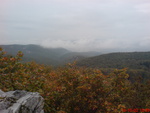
(78, 25)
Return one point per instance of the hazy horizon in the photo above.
(81, 25)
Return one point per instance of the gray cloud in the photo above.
(78, 25)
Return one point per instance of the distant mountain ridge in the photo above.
(48, 56)
(136, 63)
(118, 60)
(36, 53)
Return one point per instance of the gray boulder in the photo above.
(21, 102)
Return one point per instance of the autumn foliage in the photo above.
(72, 89)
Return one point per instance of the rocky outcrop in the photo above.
(21, 102)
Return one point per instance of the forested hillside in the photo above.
(73, 89)
(47, 56)
(137, 63)
(134, 60)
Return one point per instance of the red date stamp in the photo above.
(146, 110)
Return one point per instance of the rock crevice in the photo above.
(21, 102)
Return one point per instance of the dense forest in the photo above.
(134, 60)
(80, 89)
(137, 63)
